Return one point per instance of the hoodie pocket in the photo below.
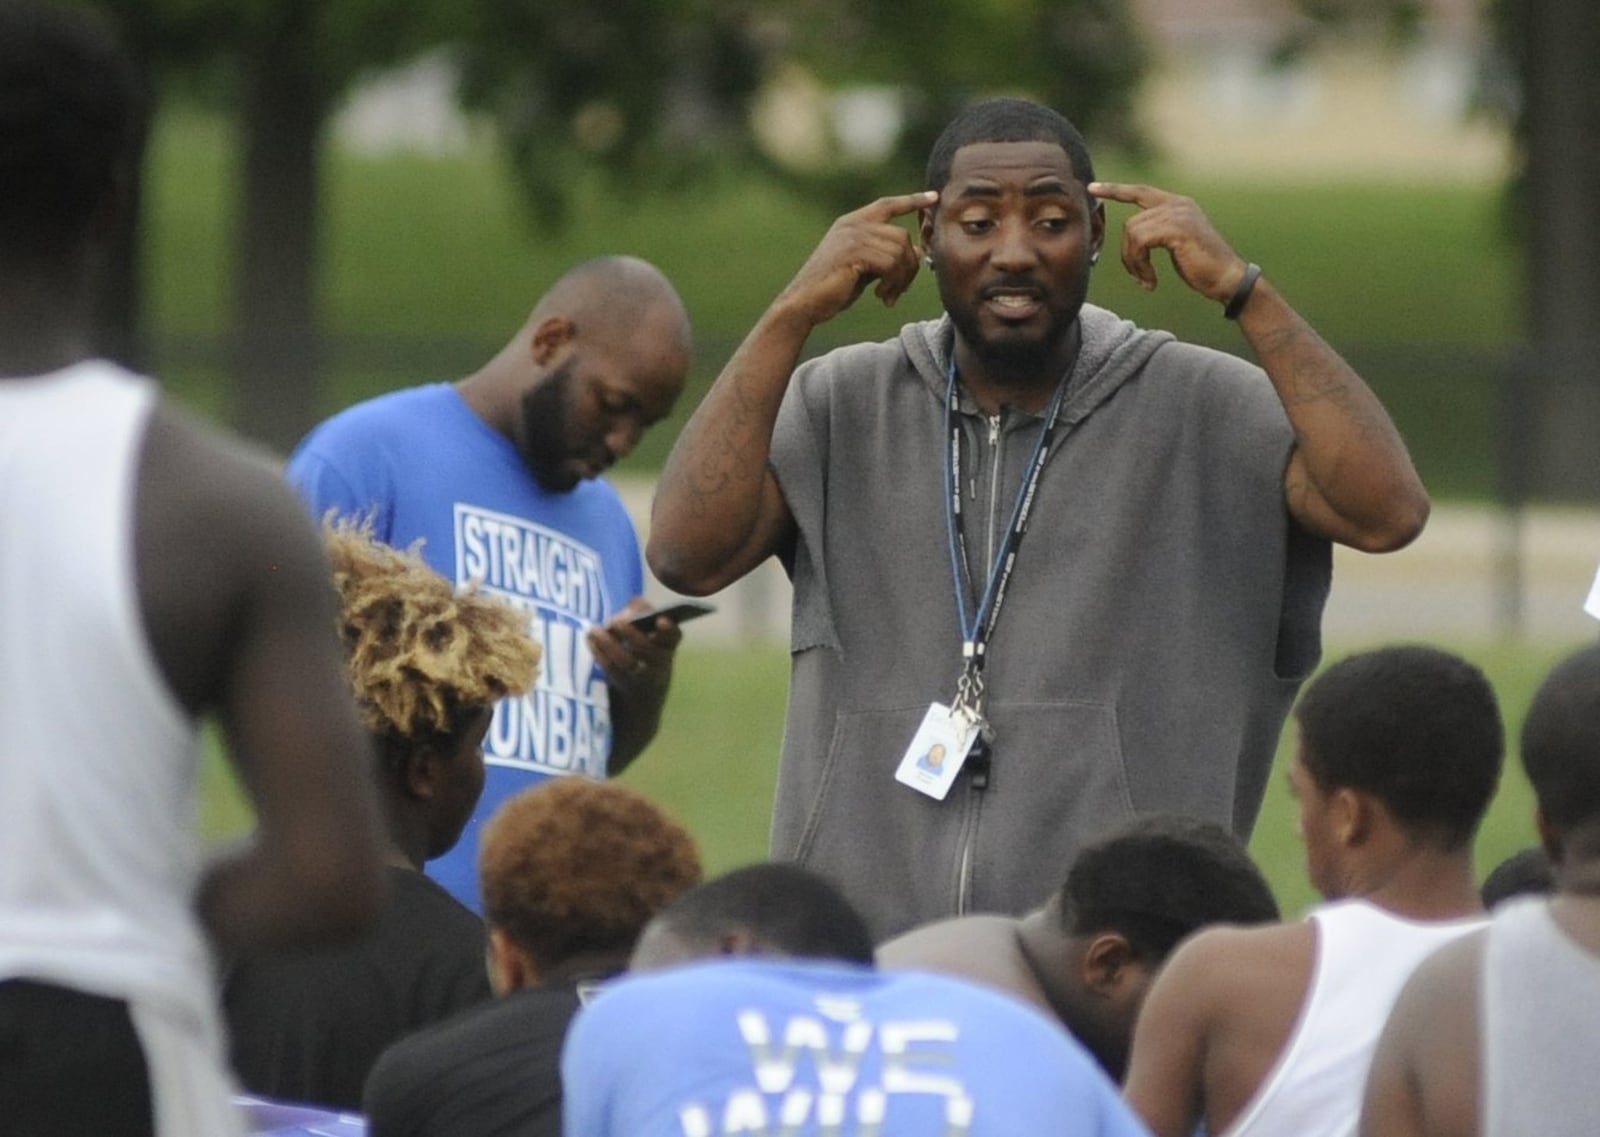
(1058, 781)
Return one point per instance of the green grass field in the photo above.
(714, 762)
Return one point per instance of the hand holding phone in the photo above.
(677, 613)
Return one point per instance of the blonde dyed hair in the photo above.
(422, 656)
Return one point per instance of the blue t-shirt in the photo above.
(424, 466)
(762, 1046)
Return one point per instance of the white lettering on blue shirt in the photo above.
(812, 1078)
(563, 725)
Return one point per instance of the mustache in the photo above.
(1011, 284)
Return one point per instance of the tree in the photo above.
(1545, 51)
(1554, 45)
(1086, 58)
(282, 65)
(621, 87)
(651, 91)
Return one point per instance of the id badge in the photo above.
(937, 750)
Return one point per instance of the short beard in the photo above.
(1018, 363)
(545, 411)
(1014, 364)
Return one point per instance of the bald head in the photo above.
(614, 298)
(602, 358)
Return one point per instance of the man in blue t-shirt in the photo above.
(810, 1039)
(498, 475)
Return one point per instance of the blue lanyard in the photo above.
(977, 627)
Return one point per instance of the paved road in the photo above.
(1475, 571)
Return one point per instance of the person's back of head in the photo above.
(427, 662)
(1561, 752)
(763, 909)
(572, 870)
(1416, 728)
(1160, 879)
(1527, 872)
(70, 110)
(1505, 1022)
(1006, 120)
(1129, 899)
(607, 295)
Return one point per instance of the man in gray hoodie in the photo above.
(1088, 560)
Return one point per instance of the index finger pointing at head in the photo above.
(898, 205)
(1140, 195)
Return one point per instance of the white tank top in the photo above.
(1540, 1028)
(1364, 956)
(98, 850)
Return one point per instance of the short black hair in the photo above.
(782, 906)
(1527, 872)
(1007, 120)
(1161, 878)
(1417, 728)
(71, 107)
(1561, 741)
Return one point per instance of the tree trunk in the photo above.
(276, 342)
(1561, 86)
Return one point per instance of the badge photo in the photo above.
(937, 750)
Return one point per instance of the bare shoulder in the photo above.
(205, 474)
(1426, 1067)
(980, 948)
(961, 940)
(1458, 960)
(1241, 986)
(1223, 953)
(1444, 984)
(1442, 989)
(222, 502)
(1218, 972)
(1189, 1024)
(223, 545)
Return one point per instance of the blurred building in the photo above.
(1238, 87)
(1247, 87)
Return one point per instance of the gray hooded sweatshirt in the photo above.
(1163, 611)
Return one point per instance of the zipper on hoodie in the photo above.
(980, 779)
(969, 841)
(978, 776)
(996, 452)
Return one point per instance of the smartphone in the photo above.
(677, 613)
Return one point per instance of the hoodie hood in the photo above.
(1113, 350)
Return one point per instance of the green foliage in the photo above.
(644, 90)
(655, 92)
(1086, 58)
(1400, 18)
(338, 42)
(658, 92)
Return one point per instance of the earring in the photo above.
(1094, 257)
(927, 259)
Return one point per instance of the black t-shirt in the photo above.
(493, 1070)
(307, 1026)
